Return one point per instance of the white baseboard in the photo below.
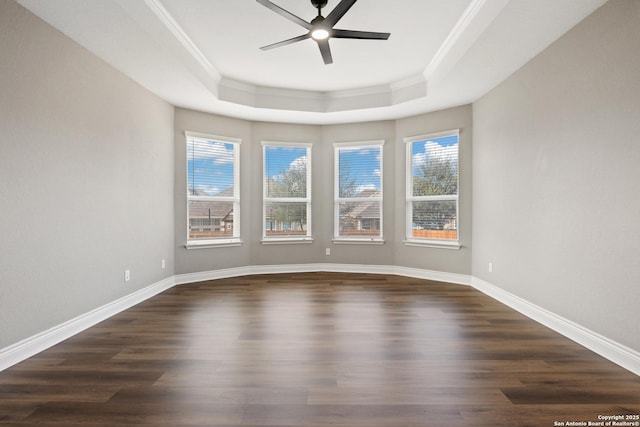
(419, 273)
(607, 348)
(438, 276)
(616, 352)
(33, 345)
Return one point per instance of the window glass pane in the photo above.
(359, 219)
(210, 168)
(434, 166)
(211, 176)
(210, 219)
(285, 171)
(360, 172)
(434, 220)
(285, 219)
(359, 176)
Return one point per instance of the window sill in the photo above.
(342, 241)
(433, 244)
(207, 244)
(286, 241)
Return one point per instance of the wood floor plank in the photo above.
(316, 349)
(406, 395)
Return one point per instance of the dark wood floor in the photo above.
(317, 349)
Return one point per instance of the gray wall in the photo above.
(86, 180)
(556, 172)
(290, 253)
(350, 253)
(92, 181)
(449, 260)
(322, 138)
(193, 260)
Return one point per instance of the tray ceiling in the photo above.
(205, 55)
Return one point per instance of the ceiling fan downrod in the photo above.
(319, 4)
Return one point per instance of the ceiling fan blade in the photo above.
(290, 16)
(286, 42)
(349, 34)
(325, 51)
(338, 12)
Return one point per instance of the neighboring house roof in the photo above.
(205, 208)
(366, 209)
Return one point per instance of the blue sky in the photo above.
(212, 162)
(443, 147)
(210, 165)
(364, 166)
(281, 159)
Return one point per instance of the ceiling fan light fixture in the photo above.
(320, 34)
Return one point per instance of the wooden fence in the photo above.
(435, 234)
(210, 234)
(420, 234)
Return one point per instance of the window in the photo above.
(432, 189)
(213, 190)
(286, 192)
(358, 191)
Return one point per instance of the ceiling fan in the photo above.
(321, 28)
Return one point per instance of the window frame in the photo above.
(341, 239)
(235, 239)
(410, 198)
(290, 239)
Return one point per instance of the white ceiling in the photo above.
(204, 54)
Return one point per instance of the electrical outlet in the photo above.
(127, 275)
(164, 264)
(490, 267)
(327, 251)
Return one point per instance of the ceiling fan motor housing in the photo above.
(321, 29)
(319, 4)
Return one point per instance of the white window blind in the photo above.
(286, 191)
(432, 187)
(358, 190)
(213, 190)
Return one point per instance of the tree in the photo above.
(346, 188)
(346, 181)
(436, 177)
(291, 183)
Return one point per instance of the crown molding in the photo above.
(246, 94)
(174, 28)
(475, 19)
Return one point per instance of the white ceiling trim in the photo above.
(476, 17)
(241, 93)
(174, 28)
(483, 42)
